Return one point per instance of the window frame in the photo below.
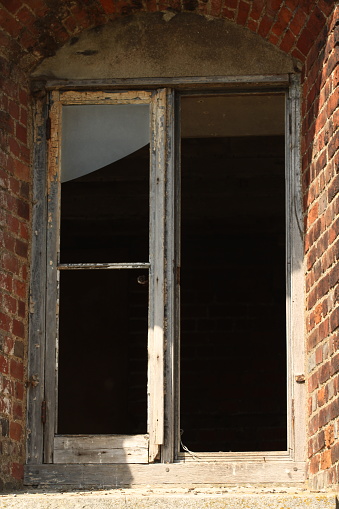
(286, 466)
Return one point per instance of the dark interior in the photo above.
(233, 333)
(102, 384)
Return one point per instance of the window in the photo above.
(172, 284)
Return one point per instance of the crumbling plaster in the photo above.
(165, 45)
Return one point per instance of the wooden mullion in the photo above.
(170, 422)
(53, 205)
(295, 269)
(36, 353)
(156, 296)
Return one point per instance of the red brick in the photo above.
(287, 42)
(298, 21)
(21, 309)
(21, 170)
(16, 369)
(19, 288)
(23, 116)
(21, 248)
(314, 464)
(6, 282)
(22, 209)
(334, 320)
(326, 460)
(11, 5)
(9, 23)
(14, 185)
(305, 42)
(243, 13)
(10, 263)
(9, 304)
(18, 329)
(21, 133)
(4, 365)
(17, 410)
(15, 430)
(19, 391)
(316, 21)
(14, 109)
(17, 471)
(265, 26)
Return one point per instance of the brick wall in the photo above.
(33, 30)
(320, 158)
(14, 269)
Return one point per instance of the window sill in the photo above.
(191, 472)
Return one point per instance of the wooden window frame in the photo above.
(171, 467)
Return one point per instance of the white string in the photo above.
(194, 456)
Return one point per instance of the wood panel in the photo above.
(158, 473)
(156, 297)
(296, 292)
(36, 352)
(101, 449)
(63, 84)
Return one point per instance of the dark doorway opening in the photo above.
(233, 318)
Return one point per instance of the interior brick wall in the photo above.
(306, 29)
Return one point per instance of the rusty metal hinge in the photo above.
(43, 412)
(48, 128)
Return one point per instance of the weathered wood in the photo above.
(36, 352)
(159, 473)
(52, 248)
(156, 297)
(236, 456)
(97, 266)
(135, 97)
(170, 422)
(296, 297)
(52, 446)
(101, 449)
(63, 84)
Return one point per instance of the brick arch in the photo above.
(30, 31)
(35, 29)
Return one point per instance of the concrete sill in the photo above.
(170, 498)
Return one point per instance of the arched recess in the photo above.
(164, 45)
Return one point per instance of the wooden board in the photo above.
(159, 473)
(36, 351)
(101, 449)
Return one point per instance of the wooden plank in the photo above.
(36, 352)
(99, 97)
(97, 266)
(53, 199)
(279, 79)
(297, 272)
(101, 449)
(170, 330)
(222, 457)
(290, 473)
(156, 296)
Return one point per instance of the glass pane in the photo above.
(105, 214)
(102, 352)
(233, 329)
(94, 136)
